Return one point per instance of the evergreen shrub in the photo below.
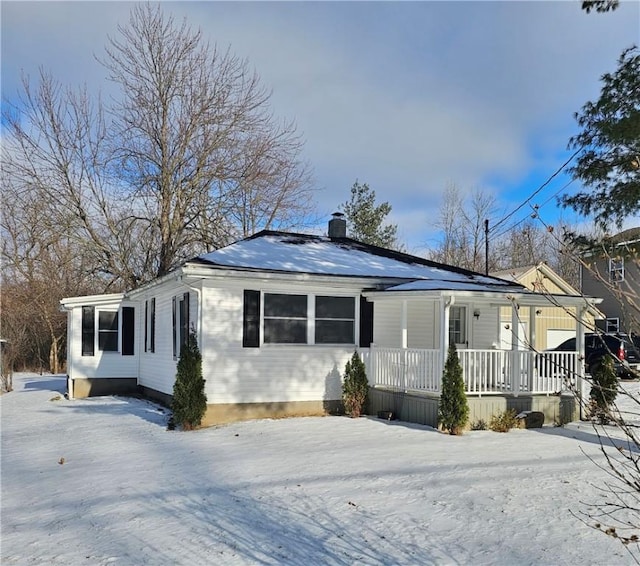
(453, 409)
(189, 399)
(604, 389)
(355, 388)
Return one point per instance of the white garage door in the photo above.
(557, 337)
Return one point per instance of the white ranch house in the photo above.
(278, 315)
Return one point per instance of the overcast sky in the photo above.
(405, 96)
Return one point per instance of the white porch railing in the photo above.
(485, 372)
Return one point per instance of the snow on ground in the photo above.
(306, 491)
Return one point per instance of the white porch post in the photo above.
(581, 382)
(403, 342)
(445, 306)
(515, 341)
(533, 345)
(403, 324)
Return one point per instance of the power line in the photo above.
(537, 191)
(535, 208)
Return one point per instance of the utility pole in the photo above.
(486, 246)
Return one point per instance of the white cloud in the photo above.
(404, 96)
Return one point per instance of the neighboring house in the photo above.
(277, 316)
(553, 324)
(612, 272)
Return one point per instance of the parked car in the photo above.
(625, 354)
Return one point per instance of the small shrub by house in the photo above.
(604, 389)
(189, 399)
(504, 422)
(355, 387)
(453, 410)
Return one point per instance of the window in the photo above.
(88, 331)
(458, 325)
(616, 269)
(108, 331)
(150, 325)
(180, 323)
(115, 331)
(285, 319)
(303, 319)
(612, 325)
(335, 320)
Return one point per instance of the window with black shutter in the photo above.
(108, 331)
(285, 319)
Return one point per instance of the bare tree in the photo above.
(186, 158)
(41, 265)
(462, 227)
(196, 145)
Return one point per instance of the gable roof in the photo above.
(517, 274)
(286, 252)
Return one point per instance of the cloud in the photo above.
(405, 96)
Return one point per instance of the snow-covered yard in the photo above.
(101, 481)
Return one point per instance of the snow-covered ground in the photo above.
(101, 481)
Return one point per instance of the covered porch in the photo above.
(485, 372)
(414, 325)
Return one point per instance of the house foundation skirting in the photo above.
(80, 388)
(423, 408)
(231, 412)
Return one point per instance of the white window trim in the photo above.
(616, 270)
(311, 320)
(97, 331)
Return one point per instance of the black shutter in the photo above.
(128, 330)
(251, 320)
(88, 331)
(152, 343)
(173, 311)
(366, 323)
(184, 321)
(146, 324)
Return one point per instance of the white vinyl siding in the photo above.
(272, 372)
(107, 364)
(158, 369)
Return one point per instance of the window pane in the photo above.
(108, 341)
(457, 331)
(285, 331)
(108, 320)
(335, 307)
(334, 332)
(294, 306)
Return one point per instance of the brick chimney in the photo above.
(337, 226)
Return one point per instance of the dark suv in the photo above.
(626, 356)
